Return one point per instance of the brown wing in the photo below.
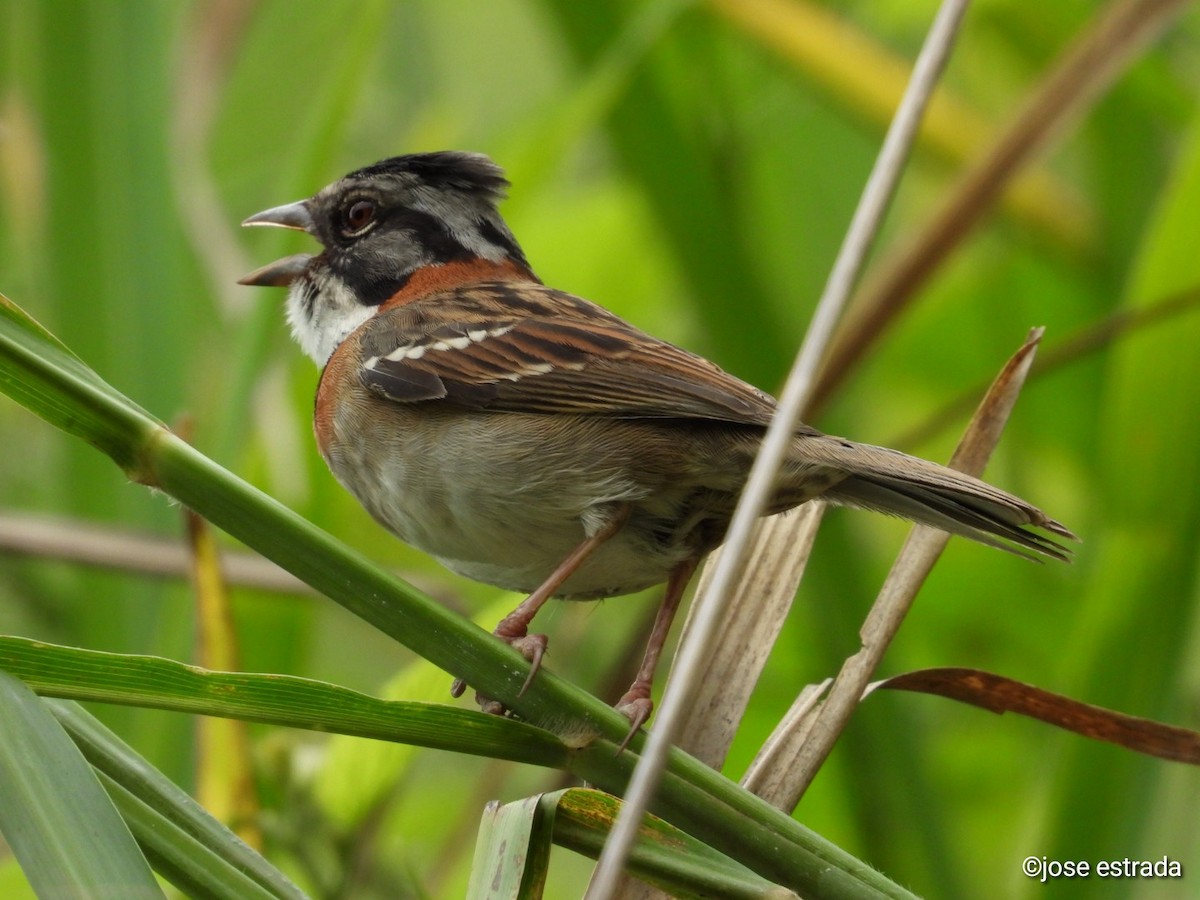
(527, 348)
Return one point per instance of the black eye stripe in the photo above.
(430, 232)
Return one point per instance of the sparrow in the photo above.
(533, 440)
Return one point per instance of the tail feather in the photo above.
(891, 482)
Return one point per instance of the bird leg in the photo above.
(513, 629)
(636, 704)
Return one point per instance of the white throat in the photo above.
(319, 325)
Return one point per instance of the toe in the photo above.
(530, 646)
(490, 706)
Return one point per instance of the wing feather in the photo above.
(524, 347)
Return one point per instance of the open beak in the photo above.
(282, 272)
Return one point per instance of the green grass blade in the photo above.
(512, 852)
(54, 814)
(192, 849)
(152, 681)
(662, 855)
(179, 858)
(41, 374)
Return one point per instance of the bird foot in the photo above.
(636, 706)
(530, 646)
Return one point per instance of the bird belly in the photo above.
(505, 509)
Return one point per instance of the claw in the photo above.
(533, 648)
(530, 646)
(636, 706)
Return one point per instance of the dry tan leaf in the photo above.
(800, 746)
(757, 611)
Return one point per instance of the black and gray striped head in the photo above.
(378, 226)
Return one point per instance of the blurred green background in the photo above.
(672, 163)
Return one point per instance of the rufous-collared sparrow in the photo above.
(531, 439)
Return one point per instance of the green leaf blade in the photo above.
(54, 814)
(194, 851)
(150, 681)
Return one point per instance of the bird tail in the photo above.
(894, 483)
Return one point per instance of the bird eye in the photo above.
(359, 215)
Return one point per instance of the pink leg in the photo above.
(636, 704)
(513, 629)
